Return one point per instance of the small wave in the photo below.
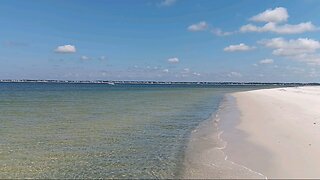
(232, 162)
(250, 170)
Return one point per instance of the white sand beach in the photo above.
(269, 133)
(281, 131)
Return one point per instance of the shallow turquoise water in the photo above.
(99, 131)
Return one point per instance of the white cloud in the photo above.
(173, 60)
(196, 74)
(201, 26)
(234, 74)
(266, 61)
(301, 49)
(167, 2)
(291, 47)
(166, 70)
(65, 49)
(280, 29)
(239, 47)
(275, 22)
(274, 19)
(84, 58)
(275, 15)
(219, 32)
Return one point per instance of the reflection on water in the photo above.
(98, 131)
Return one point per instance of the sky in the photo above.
(162, 40)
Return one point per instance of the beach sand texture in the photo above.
(269, 133)
(281, 131)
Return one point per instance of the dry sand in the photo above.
(280, 132)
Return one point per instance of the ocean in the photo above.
(51, 130)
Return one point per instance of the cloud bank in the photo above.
(301, 49)
(274, 19)
(280, 29)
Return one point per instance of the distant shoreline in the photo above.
(111, 82)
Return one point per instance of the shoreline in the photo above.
(267, 133)
(205, 155)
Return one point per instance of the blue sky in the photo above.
(174, 40)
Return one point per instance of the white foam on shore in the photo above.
(260, 174)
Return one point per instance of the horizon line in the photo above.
(144, 81)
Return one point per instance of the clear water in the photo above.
(98, 130)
